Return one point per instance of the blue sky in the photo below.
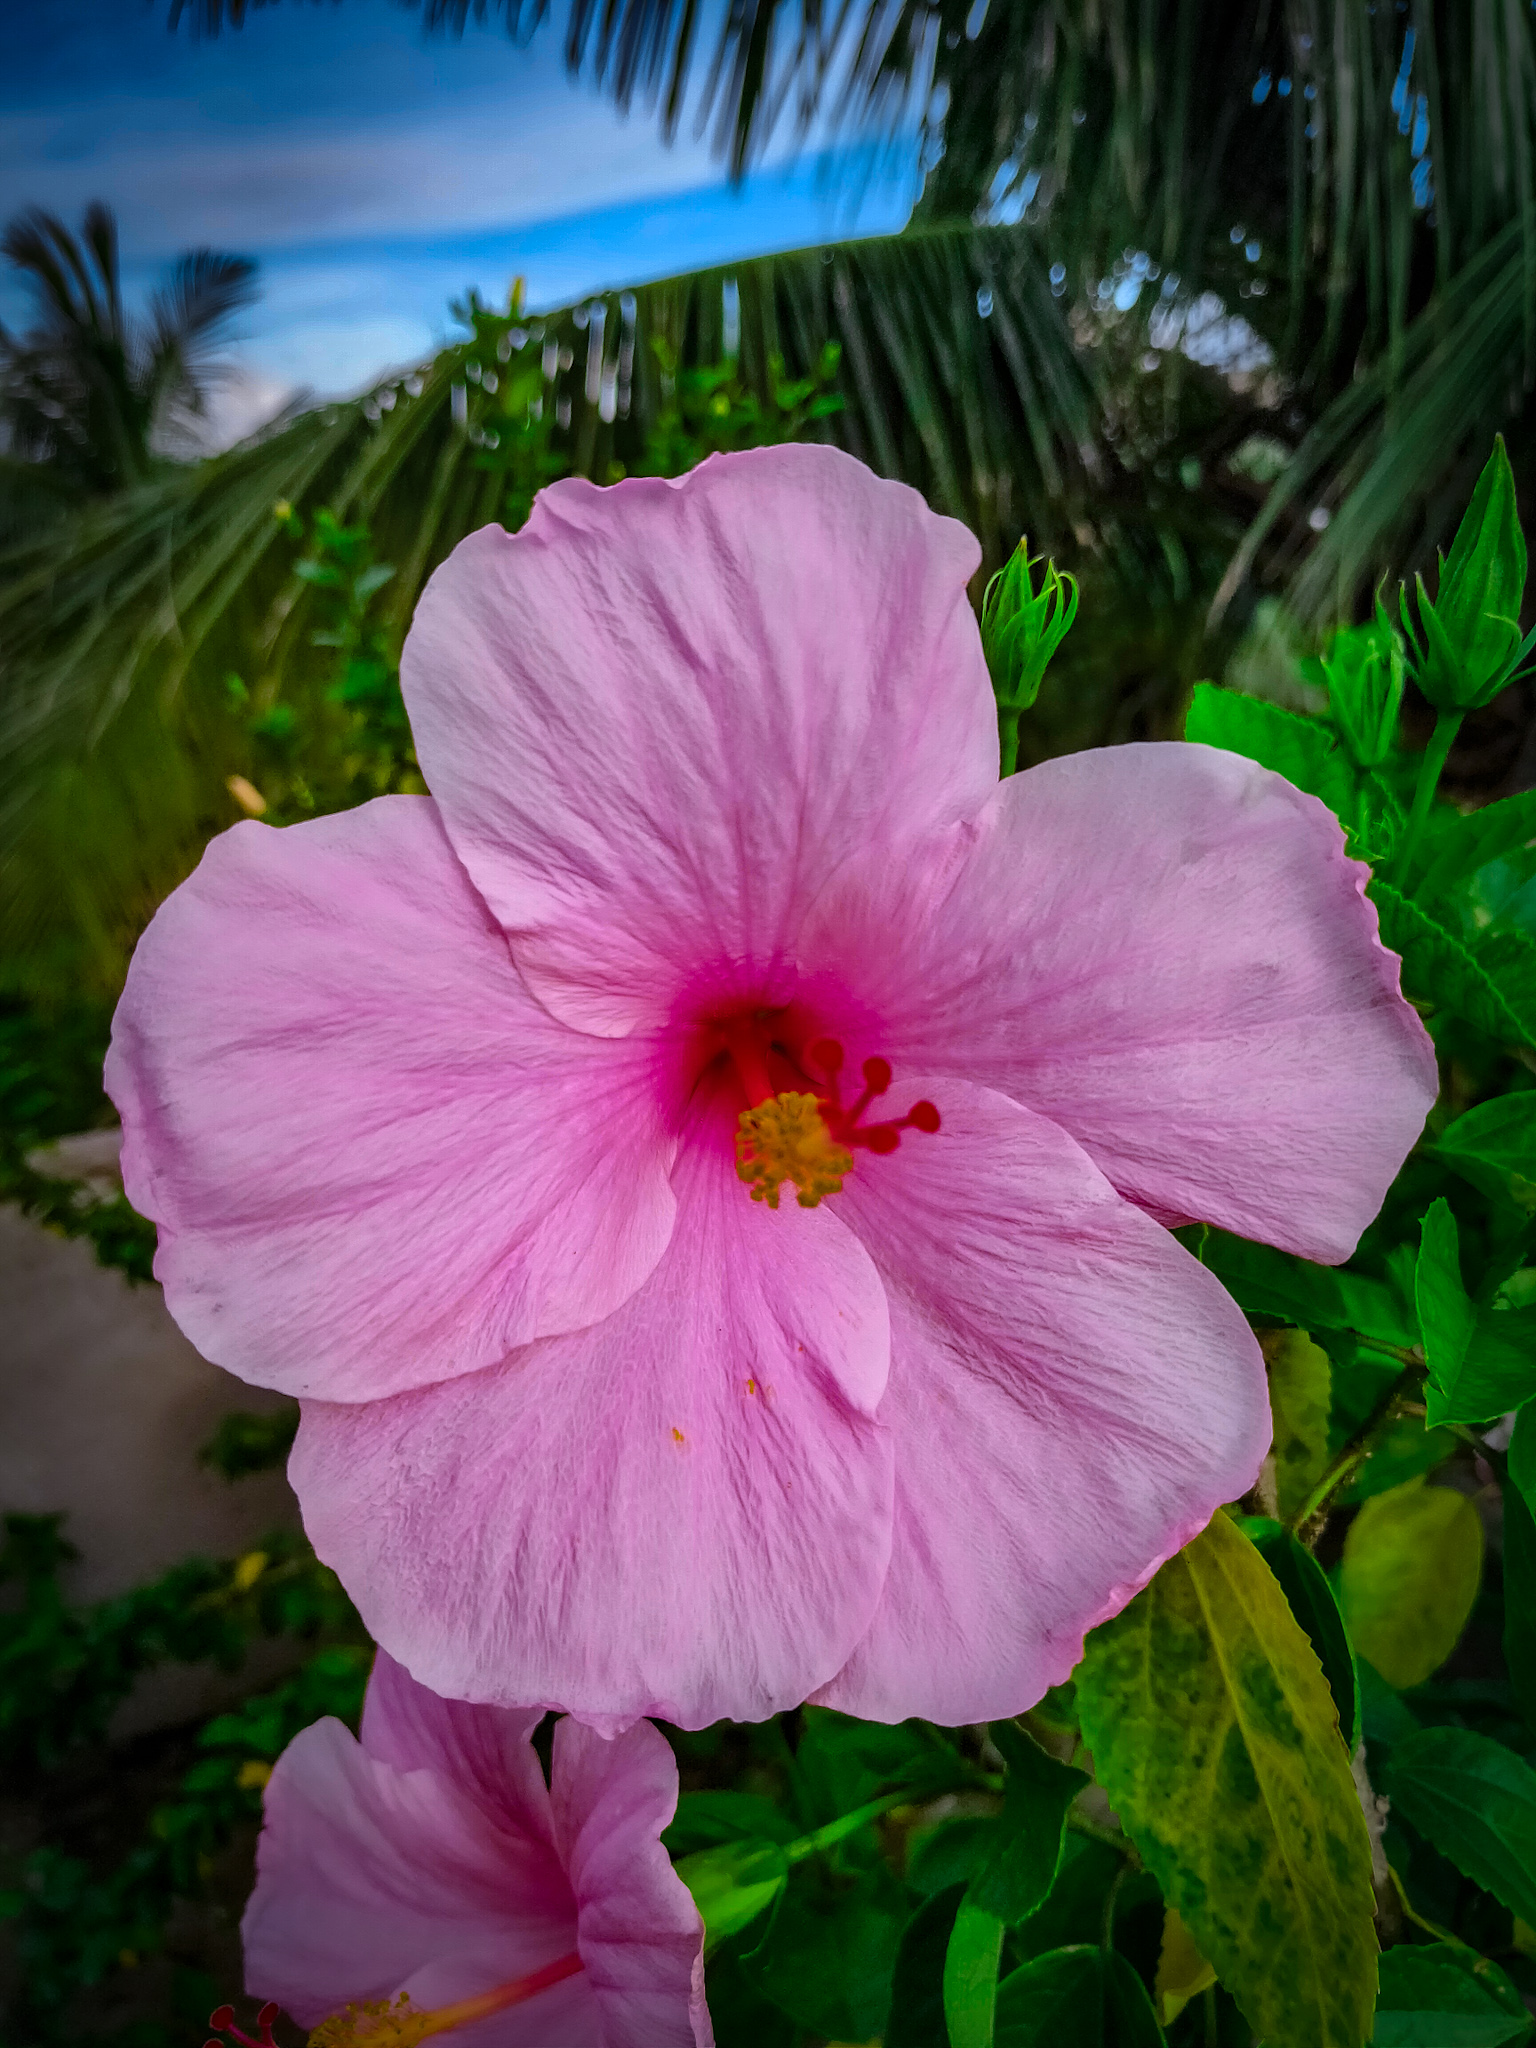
(375, 173)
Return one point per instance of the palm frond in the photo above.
(119, 634)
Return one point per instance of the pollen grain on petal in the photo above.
(786, 1139)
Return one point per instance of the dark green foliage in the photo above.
(64, 1670)
(1020, 1866)
(1433, 1998)
(1088, 1996)
(245, 1443)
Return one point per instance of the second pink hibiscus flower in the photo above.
(450, 1111)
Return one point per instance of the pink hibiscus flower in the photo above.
(429, 1869)
(453, 1113)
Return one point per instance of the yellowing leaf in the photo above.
(1182, 1972)
(1412, 1563)
(1300, 1392)
(1214, 1734)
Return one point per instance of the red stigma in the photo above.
(844, 1123)
(222, 2021)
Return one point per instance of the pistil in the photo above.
(397, 2023)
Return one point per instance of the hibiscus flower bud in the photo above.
(1363, 673)
(1022, 627)
(1467, 646)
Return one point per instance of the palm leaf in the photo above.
(119, 633)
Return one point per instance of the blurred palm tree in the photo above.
(1362, 176)
(90, 397)
(1217, 298)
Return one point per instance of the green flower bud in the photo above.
(732, 1884)
(1467, 647)
(1021, 627)
(1363, 672)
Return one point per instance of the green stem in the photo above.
(1008, 734)
(1111, 1898)
(1447, 725)
(845, 1824)
(1095, 1831)
(1354, 1454)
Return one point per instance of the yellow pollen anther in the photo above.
(786, 1138)
(379, 2024)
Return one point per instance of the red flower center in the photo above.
(796, 1125)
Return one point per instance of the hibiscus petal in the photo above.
(641, 1938)
(375, 1161)
(1165, 950)
(683, 1512)
(483, 1752)
(660, 715)
(1071, 1396)
(370, 1881)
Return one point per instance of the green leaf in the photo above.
(1460, 843)
(1182, 1972)
(1430, 1999)
(830, 1949)
(1482, 1362)
(705, 1819)
(1301, 749)
(1088, 1997)
(1033, 1824)
(1267, 1282)
(844, 1761)
(1215, 1738)
(1311, 1600)
(1520, 1579)
(1413, 1560)
(1475, 1802)
(951, 1853)
(1300, 1397)
(917, 1986)
(733, 1883)
(1404, 1450)
(1494, 1147)
(970, 1976)
(1440, 968)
